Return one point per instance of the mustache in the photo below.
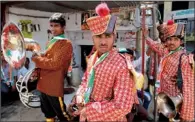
(103, 45)
(171, 45)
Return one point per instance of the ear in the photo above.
(181, 42)
(93, 38)
(114, 36)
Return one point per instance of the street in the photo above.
(18, 112)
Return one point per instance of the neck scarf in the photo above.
(54, 40)
(91, 73)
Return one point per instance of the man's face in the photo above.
(86, 16)
(131, 56)
(173, 43)
(161, 36)
(56, 28)
(27, 63)
(104, 42)
(163, 41)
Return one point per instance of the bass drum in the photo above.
(26, 87)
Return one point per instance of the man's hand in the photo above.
(83, 116)
(145, 33)
(77, 99)
(75, 109)
(34, 55)
(148, 52)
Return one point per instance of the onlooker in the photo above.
(24, 69)
(8, 80)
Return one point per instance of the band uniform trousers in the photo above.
(54, 106)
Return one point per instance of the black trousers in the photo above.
(54, 106)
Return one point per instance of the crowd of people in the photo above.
(108, 89)
(9, 77)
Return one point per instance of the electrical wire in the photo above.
(27, 15)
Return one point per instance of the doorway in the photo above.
(85, 50)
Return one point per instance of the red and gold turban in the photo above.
(104, 22)
(170, 29)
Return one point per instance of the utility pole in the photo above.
(167, 10)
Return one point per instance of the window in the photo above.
(180, 5)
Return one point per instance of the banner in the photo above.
(26, 28)
(84, 17)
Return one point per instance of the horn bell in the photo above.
(168, 106)
(14, 46)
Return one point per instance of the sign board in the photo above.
(182, 21)
(181, 14)
(128, 40)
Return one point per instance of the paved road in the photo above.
(18, 112)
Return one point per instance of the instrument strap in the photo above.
(179, 74)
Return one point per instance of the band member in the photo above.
(192, 59)
(163, 50)
(142, 113)
(173, 79)
(137, 64)
(107, 89)
(54, 65)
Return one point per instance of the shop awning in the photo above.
(67, 6)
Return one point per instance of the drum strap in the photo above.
(179, 74)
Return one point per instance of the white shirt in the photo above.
(138, 64)
(5, 74)
(22, 71)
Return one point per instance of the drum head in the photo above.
(13, 46)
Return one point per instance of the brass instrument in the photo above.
(169, 106)
(14, 47)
